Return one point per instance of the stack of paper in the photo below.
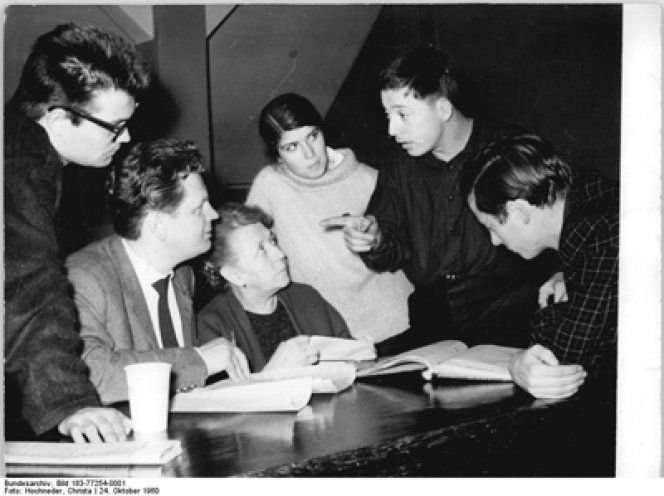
(253, 396)
(326, 377)
(125, 453)
(344, 350)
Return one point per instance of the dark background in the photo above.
(555, 70)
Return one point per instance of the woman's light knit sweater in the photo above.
(374, 305)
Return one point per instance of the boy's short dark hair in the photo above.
(518, 167)
(66, 65)
(150, 178)
(425, 71)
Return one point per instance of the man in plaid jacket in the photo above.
(530, 200)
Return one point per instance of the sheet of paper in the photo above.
(327, 377)
(125, 453)
(289, 395)
(339, 349)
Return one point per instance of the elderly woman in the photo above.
(269, 318)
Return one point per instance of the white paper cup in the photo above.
(148, 395)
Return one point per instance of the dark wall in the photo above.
(261, 51)
(554, 70)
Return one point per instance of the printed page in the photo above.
(421, 358)
(481, 362)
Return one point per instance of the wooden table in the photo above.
(400, 425)
(396, 425)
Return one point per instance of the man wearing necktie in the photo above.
(133, 295)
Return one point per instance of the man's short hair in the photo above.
(68, 64)
(150, 178)
(425, 71)
(517, 167)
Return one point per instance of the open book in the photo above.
(451, 359)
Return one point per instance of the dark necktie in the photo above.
(168, 339)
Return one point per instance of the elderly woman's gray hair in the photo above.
(232, 216)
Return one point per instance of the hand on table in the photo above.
(295, 352)
(537, 371)
(96, 425)
(360, 233)
(555, 287)
(220, 354)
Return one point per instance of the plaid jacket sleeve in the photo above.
(583, 329)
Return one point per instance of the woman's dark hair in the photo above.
(518, 167)
(150, 178)
(285, 113)
(232, 216)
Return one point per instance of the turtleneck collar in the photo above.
(342, 163)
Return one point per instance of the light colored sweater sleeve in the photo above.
(259, 193)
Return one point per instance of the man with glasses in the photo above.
(78, 89)
(116, 129)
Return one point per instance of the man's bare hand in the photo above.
(555, 287)
(361, 234)
(96, 425)
(537, 371)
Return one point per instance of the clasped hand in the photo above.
(537, 371)
(554, 287)
(361, 234)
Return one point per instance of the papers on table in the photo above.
(343, 350)
(279, 390)
(326, 377)
(225, 396)
(124, 453)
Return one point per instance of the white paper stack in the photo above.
(289, 395)
(124, 453)
(343, 350)
(326, 377)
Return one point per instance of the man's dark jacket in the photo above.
(45, 379)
